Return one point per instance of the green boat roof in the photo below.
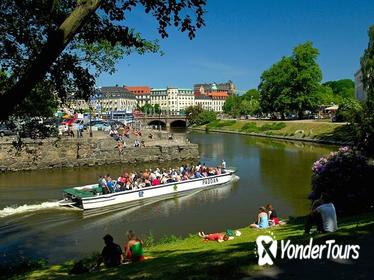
(82, 193)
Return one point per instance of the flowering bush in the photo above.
(347, 178)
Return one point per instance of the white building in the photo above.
(116, 99)
(172, 100)
(359, 87)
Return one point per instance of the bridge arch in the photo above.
(157, 123)
(178, 123)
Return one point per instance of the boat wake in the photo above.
(16, 210)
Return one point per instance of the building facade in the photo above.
(141, 93)
(172, 100)
(207, 88)
(359, 87)
(116, 99)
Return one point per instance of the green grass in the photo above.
(192, 258)
(317, 130)
(220, 124)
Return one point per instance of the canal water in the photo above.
(270, 171)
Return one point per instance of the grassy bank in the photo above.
(299, 130)
(191, 258)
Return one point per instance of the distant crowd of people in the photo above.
(149, 177)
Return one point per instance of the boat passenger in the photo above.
(198, 174)
(218, 170)
(103, 184)
(109, 183)
(156, 181)
(262, 220)
(111, 254)
(134, 248)
(223, 164)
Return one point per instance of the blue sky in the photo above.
(242, 38)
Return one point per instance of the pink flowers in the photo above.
(319, 166)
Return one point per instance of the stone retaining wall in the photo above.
(73, 152)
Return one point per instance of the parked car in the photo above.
(6, 130)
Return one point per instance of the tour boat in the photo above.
(88, 197)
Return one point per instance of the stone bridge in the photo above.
(164, 120)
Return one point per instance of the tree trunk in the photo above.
(56, 43)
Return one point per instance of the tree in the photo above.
(342, 89)
(348, 110)
(157, 109)
(147, 108)
(250, 102)
(292, 84)
(232, 105)
(68, 42)
(198, 116)
(364, 121)
(275, 88)
(192, 112)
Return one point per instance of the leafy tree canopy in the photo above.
(342, 89)
(65, 44)
(292, 84)
(247, 104)
(196, 115)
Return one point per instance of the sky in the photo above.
(242, 38)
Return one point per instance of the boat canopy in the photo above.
(83, 192)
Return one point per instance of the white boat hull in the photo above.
(168, 189)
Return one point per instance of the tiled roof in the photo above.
(218, 94)
(115, 92)
(139, 90)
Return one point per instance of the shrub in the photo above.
(347, 177)
(273, 126)
(20, 266)
(219, 124)
(252, 127)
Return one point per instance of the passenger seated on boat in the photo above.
(103, 184)
(156, 181)
(110, 184)
(134, 248)
(198, 174)
(262, 220)
(128, 186)
(111, 254)
(121, 181)
(218, 170)
(147, 183)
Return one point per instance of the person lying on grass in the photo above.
(219, 237)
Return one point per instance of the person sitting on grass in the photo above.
(111, 254)
(273, 217)
(133, 248)
(323, 215)
(262, 220)
(219, 237)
